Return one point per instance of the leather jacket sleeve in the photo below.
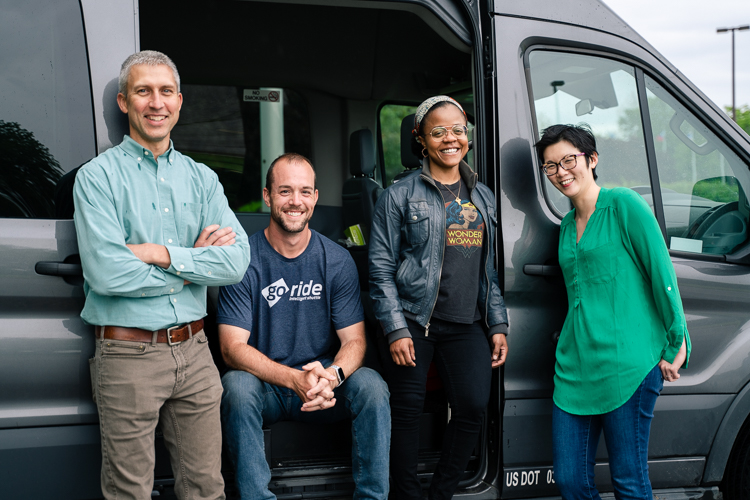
(385, 242)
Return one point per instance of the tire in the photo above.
(736, 482)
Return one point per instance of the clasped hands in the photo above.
(314, 385)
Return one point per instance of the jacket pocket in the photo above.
(599, 261)
(417, 223)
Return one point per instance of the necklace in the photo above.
(458, 200)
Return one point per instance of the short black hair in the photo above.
(580, 136)
(291, 158)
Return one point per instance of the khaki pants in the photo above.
(139, 385)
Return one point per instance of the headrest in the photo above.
(361, 153)
(408, 158)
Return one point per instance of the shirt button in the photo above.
(182, 266)
(139, 158)
(174, 300)
(145, 153)
(143, 295)
(669, 288)
(169, 241)
(209, 273)
(177, 273)
(166, 210)
(413, 217)
(162, 179)
(171, 290)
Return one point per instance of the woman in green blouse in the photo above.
(625, 331)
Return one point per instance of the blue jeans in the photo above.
(626, 431)
(249, 403)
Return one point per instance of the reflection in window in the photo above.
(46, 120)
(704, 184)
(573, 89)
(238, 132)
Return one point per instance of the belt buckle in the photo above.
(169, 335)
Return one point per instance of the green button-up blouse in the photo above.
(624, 307)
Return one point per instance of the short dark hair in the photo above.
(580, 136)
(291, 158)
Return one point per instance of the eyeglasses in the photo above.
(568, 162)
(458, 131)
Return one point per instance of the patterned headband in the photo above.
(426, 106)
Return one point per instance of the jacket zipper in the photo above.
(442, 256)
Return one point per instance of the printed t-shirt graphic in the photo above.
(462, 261)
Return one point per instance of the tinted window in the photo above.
(704, 184)
(46, 119)
(574, 88)
(238, 132)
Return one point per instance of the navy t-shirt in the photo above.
(293, 307)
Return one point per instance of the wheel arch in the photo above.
(729, 429)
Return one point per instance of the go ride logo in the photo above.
(302, 291)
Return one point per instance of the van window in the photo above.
(574, 89)
(391, 116)
(46, 117)
(238, 132)
(704, 184)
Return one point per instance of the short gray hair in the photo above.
(149, 58)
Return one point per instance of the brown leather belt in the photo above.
(171, 336)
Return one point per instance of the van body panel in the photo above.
(111, 36)
(364, 55)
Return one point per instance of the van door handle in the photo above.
(541, 270)
(62, 269)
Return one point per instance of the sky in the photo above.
(684, 32)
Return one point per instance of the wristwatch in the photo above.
(339, 374)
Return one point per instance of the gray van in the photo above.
(333, 79)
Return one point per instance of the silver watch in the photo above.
(339, 374)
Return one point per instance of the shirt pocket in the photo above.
(600, 263)
(417, 223)
(190, 223)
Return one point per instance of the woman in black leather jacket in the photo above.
(435, 293)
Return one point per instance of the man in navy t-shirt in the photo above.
(293, 333)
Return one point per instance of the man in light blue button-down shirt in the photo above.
(154, 230)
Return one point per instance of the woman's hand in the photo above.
(499, 349)
(670, 371)
(402, 352)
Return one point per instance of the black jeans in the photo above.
(462, 357)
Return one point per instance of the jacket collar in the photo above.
(469, 177)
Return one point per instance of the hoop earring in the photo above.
(423, 152)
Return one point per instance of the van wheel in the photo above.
(736, 482)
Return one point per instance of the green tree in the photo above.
(743, 116)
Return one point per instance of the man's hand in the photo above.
(499, 349)
(671, 371)
(151, 253)
(313, 386)
(213, 236)
(402, 352)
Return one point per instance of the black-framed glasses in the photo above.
(568, 162)
(458, 131)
